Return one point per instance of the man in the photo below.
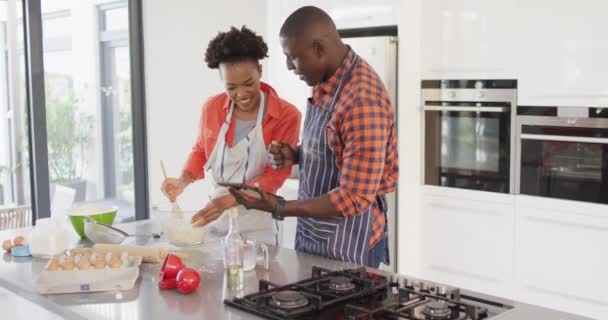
(348, 155)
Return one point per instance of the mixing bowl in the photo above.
(103, 214)
(176, 226)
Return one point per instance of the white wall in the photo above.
(178, 81)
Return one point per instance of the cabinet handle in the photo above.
(461, 108)
(546, 137)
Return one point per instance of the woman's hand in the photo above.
(213, 210)
(173, 187)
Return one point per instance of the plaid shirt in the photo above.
(362, 135)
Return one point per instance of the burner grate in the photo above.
(309, 298)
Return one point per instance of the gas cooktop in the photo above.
(358, 294)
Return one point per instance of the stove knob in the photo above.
(416, 285)
(394, 284)
(424, 286)
(395, 279)
(442, 290)
(408, 283)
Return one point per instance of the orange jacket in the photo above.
(281, 123)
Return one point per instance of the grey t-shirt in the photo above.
(241, 129)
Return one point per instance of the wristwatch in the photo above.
(278, 211)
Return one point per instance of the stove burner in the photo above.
(288, 300)
(341, 284)
(437, 310)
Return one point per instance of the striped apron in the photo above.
(340, 238)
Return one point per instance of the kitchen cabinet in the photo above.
(560, 255)
(562, 50)
(468, 39)
(467, 239)
(287, 227)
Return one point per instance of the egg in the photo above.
(68, 265)
(53, 265)
(115, 262)
(18, 241)
(100, 264)
(84, 263)
(7, 245)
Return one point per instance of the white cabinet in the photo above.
(467, 239)
(468, 39)
(562, 50)
(287, 227)
(560, 255)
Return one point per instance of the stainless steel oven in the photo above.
(563, 153)
(467, 133)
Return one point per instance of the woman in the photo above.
(236, 129)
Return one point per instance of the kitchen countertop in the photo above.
(146, 301)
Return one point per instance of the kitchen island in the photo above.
(147, 301)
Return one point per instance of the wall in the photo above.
(178, 81)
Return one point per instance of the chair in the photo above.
(15, 217)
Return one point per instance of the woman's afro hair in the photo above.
(235, 45)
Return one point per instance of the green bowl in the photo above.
(104, 215)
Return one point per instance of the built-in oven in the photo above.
(467, 133)
(563, 153)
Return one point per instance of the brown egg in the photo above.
(18, 241)
(100, 264)
(115, 262)
(84, 263)
(68, 265)
(53, 265)
(7, 245)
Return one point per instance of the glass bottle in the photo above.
(233, 254)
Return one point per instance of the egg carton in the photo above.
(89, 280)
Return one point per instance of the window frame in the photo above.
(36, 106)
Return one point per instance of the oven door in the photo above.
(564, 159)
(467, 145)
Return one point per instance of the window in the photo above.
(91, 114)
(14, 154)
(88, 104)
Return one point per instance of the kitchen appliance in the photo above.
(358, 294)
(467, 133)
(563, 153)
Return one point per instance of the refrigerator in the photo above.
(381, 53)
